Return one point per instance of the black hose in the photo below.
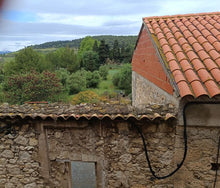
(185, 142)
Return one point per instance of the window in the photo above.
(83, 174)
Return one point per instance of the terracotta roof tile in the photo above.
(191, 44)
(174, 66)
(197, 64)
(218, 62)
(197, 47)
(201, 40)
(212, 39)
(216, 74)
(192, 55)
(214, 54)
(177, 48)
(208, 46)
(166, 49)
(185, 65)
(204, 75)
(178, 76)
(198, 88)
(180, 56)
(191, 75)
(184, 89)
(170, 56)
(210, 64)
(216, 45)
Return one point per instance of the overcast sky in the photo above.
(26, 22)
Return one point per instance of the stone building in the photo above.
(176, 61)
(168, 138)
(177, 57)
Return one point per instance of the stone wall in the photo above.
(202, 151)
(19, 159)
(117, 150)
(145, 92)
(40, 153)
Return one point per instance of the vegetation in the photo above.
(32, 86)
(122, 79)
(109, 39)
(58, 74)
(85, 97)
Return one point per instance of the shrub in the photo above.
(77, 82)
(92, 79)
(85, 97)
(32, 86)
(103, 71)
(122, 79)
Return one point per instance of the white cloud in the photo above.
(69, 19)
(63, 20)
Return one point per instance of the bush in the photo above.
(103, 71)
(122, 80)
(63, 76)
(85, 97)
(92, 79)
(77, 82)
(116, 79)
(32, 86)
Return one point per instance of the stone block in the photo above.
(21, 140)
(7, 154)
(33, 142)
(31, 185)
(24, 156)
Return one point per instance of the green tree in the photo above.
(95, 46)
(68, 59)
(116, 52)
(25, 60)
(53, 59)
(90, 60)
(32, 86)
(128, 55)
(86, 45)
(122, 80)
(63, 58)
(103, 52)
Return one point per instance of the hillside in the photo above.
(109, 39)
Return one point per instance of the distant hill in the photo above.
(109, 39)
(5, 52)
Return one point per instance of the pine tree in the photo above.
(95, 46)
(116, 51)
(103, 52)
